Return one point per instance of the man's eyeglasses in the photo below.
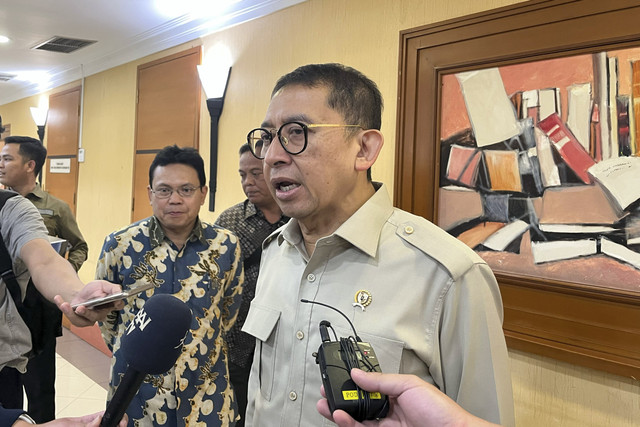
(184, 191)
(292, 137)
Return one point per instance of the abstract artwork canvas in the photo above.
(541, 166)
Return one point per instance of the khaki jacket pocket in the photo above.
(262, 323)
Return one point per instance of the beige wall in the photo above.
(360, 33)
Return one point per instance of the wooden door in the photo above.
(62, 133)
(168, 112)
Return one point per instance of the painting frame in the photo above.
(574, 322)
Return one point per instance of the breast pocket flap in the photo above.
(261, 321)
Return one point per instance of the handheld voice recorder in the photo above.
(336, 359)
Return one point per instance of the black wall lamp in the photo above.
(214, 83)
(39, 115)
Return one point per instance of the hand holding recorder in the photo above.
(414, 403)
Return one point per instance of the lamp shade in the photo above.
(214, 79)
(39, 115)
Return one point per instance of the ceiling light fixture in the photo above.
(4, 39)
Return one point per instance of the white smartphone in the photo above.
(96, 302)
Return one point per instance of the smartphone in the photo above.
(97, 302)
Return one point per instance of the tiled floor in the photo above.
(82, 377)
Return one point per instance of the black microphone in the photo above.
(324, 333)
(151, 344)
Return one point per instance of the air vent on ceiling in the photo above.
(63, 44)
(6, 77)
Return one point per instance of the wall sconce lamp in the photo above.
(214, 81)
(39, 115)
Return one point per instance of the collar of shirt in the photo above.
(362, 229)
(36, 193)
(157, 235)
(250, 210)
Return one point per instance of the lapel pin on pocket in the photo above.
(362, 299)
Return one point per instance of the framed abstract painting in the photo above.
(519, 134)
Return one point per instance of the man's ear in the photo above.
(371, 142)
(203, 191)
(149, 192)
(31, 166)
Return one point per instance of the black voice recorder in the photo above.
(336, 359)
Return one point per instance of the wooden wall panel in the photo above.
(168, 112)
(62, 136)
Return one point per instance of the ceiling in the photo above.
(124, 30)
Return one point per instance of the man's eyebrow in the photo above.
(295, 118)
(163, 184)
(299, 118)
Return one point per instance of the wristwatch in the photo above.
(26, 418)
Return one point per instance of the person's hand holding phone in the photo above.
(84, 316)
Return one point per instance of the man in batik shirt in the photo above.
(252, 221)
(197, 263)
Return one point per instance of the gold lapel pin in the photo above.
(362, 299)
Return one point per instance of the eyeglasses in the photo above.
(292, 137)
(184, 191)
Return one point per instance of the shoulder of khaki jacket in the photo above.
(452, 254)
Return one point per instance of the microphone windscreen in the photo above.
(153, 339)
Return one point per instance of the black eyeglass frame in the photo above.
(179, 191)
(305, 128)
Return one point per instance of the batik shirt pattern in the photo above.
(206, 273)
(247, 222)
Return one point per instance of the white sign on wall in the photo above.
(60, 166)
